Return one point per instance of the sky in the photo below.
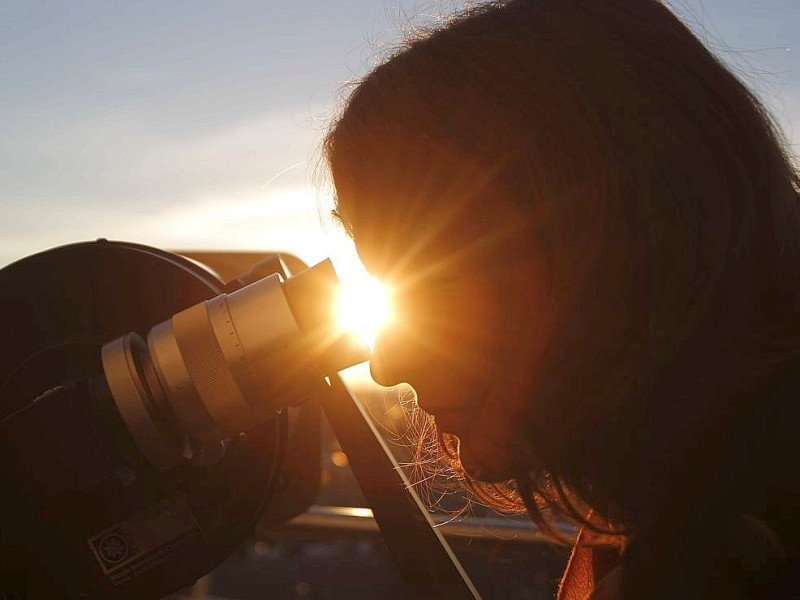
(196, 124)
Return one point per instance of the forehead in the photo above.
(411, 196)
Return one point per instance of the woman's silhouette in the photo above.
(593, 229)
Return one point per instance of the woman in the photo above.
(593, 231)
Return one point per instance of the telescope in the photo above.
(151, 414)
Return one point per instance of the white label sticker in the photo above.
(143, 540)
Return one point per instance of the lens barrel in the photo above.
(222, 366)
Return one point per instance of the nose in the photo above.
(380, 372)
(386, 362)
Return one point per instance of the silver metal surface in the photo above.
(130, 398)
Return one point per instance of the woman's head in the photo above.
(590, 221)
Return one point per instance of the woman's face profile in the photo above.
(472, 315)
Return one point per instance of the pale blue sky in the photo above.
(194, 124)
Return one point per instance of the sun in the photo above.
(364, 307)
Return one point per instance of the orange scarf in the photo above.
(592, 572)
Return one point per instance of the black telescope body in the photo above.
(151, 415)
(144, 413)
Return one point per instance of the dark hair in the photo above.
(671, 388)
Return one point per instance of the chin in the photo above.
(481, 458)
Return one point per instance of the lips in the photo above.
(450, 421)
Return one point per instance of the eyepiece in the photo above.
(313, 296)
